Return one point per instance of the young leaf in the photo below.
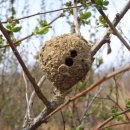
(43, 30)
(105, 3)
(114, 111)
(128, 104)
(1, 41)
(85, 15)
(68, 4)
(17, 29)
(119, 117)
(9, 27)
(43, 23)
(80, 127)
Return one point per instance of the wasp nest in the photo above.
(65, 60)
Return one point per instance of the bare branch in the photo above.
(111, 118)
(91, 102)
(32, 34)
(26, 71)
(117, 124)
(51, 11)
(43, 78)
(63, 120)
(106, 38)
(115, 31)
(44, 115)
(30, 103)
(117, 104)
(75, 13)
(27, 115)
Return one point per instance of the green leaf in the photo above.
(128, 104)
(99, 61)
(17, 29)
(85, 15)
(110, 89)
(43, 23)
(114, 111)
(119, 117)
(106, 3)
(99, 3)
(80, 127)
(1, 41)
(81, 85)
(43, 30)
(104, 116)
(68, 4)
(9, 27)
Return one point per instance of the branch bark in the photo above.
(111, 118)
(44, 115)
(26, 71)
(75, 13)
(106, 37)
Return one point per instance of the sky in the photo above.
(30, 48)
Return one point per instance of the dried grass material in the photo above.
(65, 60)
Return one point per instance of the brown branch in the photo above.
(63, 119)
(111, 118)
(115, 31)
(44, 115)
(75, 14)
(106, 38)
(27, 117)
(117, 104)
(26, 71)
(32, 34)
(45, 13)
(94, 85)
(117, 124)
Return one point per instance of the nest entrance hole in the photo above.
(69, 61)
(73, 53)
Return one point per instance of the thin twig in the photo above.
(32, 34)
(63, 120)
(91, 102)
(51, 11)
(106, 37)
(27, 115)
(117, 104)
(44, 115)
(117, 124)
(94, 85)
(30, 103)
(25, 69)
(115, 31)
(111, 118)
(41, 81)
(75, 14)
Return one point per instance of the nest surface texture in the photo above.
(65, 60)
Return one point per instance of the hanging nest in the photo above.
(65, 60)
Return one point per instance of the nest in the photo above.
(65, 60)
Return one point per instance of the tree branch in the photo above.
(106, 38)
(44, 115)
(26, 71)
(115, 31)
(117, 124)
(30, 103)
(32, 34)
(111, 118)
(51, 11)
(75, 13)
